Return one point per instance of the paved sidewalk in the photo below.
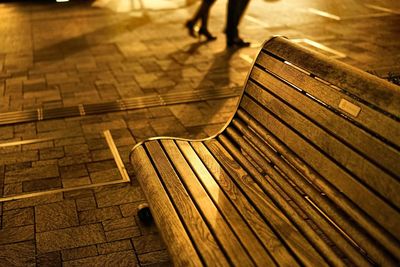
(60, 56)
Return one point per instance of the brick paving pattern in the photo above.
(62, 55)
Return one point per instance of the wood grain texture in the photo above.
(210, 213)
(359, 217)
(178, 242)
(244, 233)
(285, 206)
(261, 228)
(318, 126)
(333, 233)
(278, 220)
(331, 117)
(351, 187)
(332, 97)
(315, 188)
(368, 87)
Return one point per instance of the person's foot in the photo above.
(190, 27)
(237, 42)
(207, 34)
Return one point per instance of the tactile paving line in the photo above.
(118, 105)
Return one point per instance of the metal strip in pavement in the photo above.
(382, 9)
(323, 13)
(336, 54)
(25, 142)
(117, 157)
(114, 152)
(257, 21)
(118, 105)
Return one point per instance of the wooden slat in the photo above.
(319, 243)
(180, 246)
(289, 234)
(335, 234)
(359, 196)
(375, 149)
(249, 241)
(209, 212)
(190, 217)
(309, 185)
(368, 117)
(386, 185)
(374, 206)
(271, 242)
(365, 86)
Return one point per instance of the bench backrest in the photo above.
(335, 127)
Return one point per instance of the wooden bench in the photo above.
(305, 173)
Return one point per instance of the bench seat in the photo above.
(306, 172)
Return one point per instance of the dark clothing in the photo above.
(235, 12)
(202, 13)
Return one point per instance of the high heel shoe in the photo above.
(190, 26)
(207, 34)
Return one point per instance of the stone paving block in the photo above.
(79, 253)
(86, 203)
(101, 154)
(105, 176)
(12, 189)
(72, 237)
(6, 132)
(71, 132)
(34, 84)
(33, 201)
(99, 166)
(77, 194)
(38, 145)
(16, 234)
(110, 197)
(17, 166)
(51, 259)
(97, 143)
(125, 258)
(51, 153)
(167, 126)
(56, 216)
(29, 174)
(75, 182)
(25, 128)
(99, 215)
(41, 185)
(44, 162)
(19, 217)
(50, 125)
(156, 257)
(115, 246)
(73, 171)
(148, 243)
(76, 149)
(18, 254)
(69, 141)
(100, 127)
(45, 95)
(126, 222)
(17, 157)
(124, 233)
(75, 160)
(130, 209)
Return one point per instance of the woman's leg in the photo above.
(204, 12)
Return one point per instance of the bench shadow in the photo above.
(216, 77)
(219, 75)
